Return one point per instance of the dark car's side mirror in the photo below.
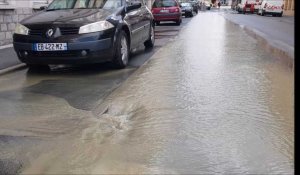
(133, 6)
(43, 7)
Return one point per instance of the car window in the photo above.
(83, 4)
(130, 2)
(111, 4)
(164, 3)
(186, 4)
(62, 4)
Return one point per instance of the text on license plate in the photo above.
(50, 46)
(247, 9)
(164, 11)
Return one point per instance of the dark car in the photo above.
(84, 31)
(166, 10)
(187, 9)
(195, 4)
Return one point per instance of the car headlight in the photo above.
(95, 27)
(22, 30)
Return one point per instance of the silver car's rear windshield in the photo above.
(83, 4)
(186, 4)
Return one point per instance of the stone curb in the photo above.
(6, 46)
(12, 68)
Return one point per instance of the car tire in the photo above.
(121, 55)
(178, 22)
(150, 42)
(280, 15)
(157, 23)
(262, 13)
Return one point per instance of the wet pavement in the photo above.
(210, 101)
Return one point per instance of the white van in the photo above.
(272, 7)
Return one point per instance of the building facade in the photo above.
(12, 12)
(289, 7)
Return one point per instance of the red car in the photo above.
(249, 8)
(166, 10)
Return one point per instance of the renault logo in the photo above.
(49, 33)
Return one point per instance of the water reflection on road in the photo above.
(210, 102)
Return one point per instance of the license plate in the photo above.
(164, 11)
(50, 46)
(247, 9)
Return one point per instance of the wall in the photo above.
(12, 12)
(289, 8)
(8, 20)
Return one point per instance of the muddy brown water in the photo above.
(211, 101)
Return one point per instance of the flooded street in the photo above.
(209, 101)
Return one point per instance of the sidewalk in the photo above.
(8, 58)
(276, 32)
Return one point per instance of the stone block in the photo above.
(9, 12)
(15, 18)
(11, 26)
(8, 35)
(2, 36)
(27, 11)
(19, 11)
(21, 17)
(3, 27)
(7, 19)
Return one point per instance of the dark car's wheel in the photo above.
(121, 56)
(150, 42)
(178, 22)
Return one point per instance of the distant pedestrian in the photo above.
(219, 4)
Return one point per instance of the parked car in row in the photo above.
(208, 5)
(271, 7)
(84, 31)
(188, 9)
(195, 4)
(166, 10)
(246, 6)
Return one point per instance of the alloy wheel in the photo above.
(152, 35)
(124, 50)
